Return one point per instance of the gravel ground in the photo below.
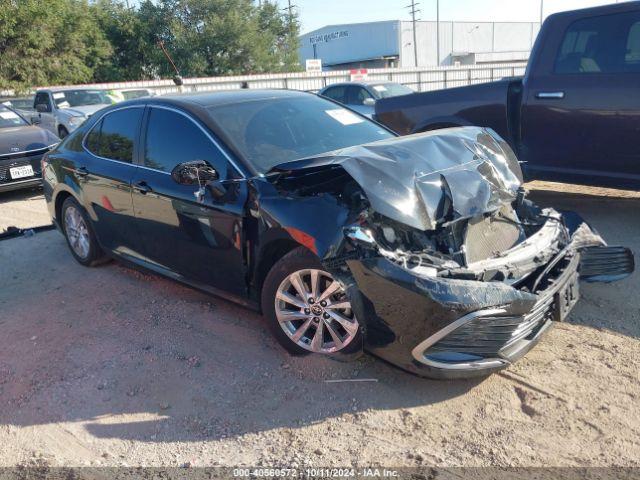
(23, 209)
(110, 366)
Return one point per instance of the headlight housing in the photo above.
(76, 121)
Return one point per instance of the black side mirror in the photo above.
(35, 120)
(197, 173)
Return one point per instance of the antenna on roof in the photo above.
(177, 79)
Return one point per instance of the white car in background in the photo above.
(123, 94)
(62, 110)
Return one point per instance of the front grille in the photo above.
(490, 337)
(603, 262)
(20, 155)
(5, 165)
(498, 336)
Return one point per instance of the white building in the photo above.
(390, 44)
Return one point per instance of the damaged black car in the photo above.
(422, 250)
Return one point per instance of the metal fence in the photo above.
(420, 79)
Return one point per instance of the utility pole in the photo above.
(290, 8)
(438, 30)
(413, 12)
(541, 11)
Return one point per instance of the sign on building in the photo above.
(359, 74)
(314, 65)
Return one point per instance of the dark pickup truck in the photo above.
(574, 117)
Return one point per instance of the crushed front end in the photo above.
(451, 270)
(453, 320)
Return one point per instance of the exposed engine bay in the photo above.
(467, 219)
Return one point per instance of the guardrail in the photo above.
(420, 79)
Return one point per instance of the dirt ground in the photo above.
(109, 366)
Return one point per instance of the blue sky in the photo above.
(318, 13)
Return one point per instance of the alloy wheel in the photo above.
(314, 311)
(77, 232)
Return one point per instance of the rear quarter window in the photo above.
(114, 136)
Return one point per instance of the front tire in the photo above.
(79, 234)
(306, 309)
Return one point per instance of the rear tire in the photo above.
(81, 239)
(319, 319)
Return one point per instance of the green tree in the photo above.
(78, 41)
(52, 42)
(223, 37)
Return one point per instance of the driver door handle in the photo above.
(81, 171)
(550, 95)
(142, 187)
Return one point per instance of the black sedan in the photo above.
(422, 250)
(21, 148)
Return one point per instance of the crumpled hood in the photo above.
(84, 110)
(409, 179)
(25, 138)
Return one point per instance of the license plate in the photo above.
(21, 172)
(566, 298)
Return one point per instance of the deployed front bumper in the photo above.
(490, 339)
(449, 328)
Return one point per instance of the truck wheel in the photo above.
(306, 309)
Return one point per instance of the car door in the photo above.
(105, 174)
(337, 93)
(356, 96)
(199, 241)
(45, 118)
(581, 114)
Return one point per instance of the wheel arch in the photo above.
(58, 201)
(270, 253)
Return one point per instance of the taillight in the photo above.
(43, 162)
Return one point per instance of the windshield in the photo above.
(387, 90)
(78, 98)
(273, 131)
(9, 118)
(21, 103)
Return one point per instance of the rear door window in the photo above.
(114, 136)
(604, 44)
(337, 93)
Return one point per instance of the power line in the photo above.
(413, 12)
(438, 31)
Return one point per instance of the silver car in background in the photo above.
(362, 96)
(62, 110)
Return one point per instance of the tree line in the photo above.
(58, 42)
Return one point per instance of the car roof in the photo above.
(367, 83)
(226, 97)
(65, 89)
(198, 104)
